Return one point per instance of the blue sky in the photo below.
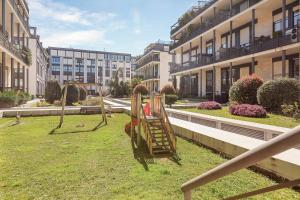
(111, 25)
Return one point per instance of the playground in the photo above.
(79, 163)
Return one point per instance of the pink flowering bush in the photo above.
(209, 105)
(247, 110)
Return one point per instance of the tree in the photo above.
(115, 88)
(134, 82)
(52, 91)
(72, 94)
(82, 93)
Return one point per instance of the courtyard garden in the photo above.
(75, 162)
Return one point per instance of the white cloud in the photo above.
(136, 18)
(64, 26)
(77, 38)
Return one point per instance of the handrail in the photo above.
(147, 131)
(273, 147)
(167, 125)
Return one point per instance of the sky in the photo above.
(125, 26)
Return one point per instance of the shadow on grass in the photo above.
(100, 125)
(143, 156)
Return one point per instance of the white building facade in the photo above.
(39, 68)
(222, 41)
(90, 68)
(153, 67)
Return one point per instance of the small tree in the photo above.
(52, 91)
(170, 94)
(140, 89)
(72, 94)
(82, 93)
(134, 82)
(125, 88)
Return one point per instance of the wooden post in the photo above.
(188, 195)
(163, 100)
(152, 102)
(132, 117)
(102, 107)
(63, 106)
(139, 105)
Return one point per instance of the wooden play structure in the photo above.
(64, 96)
(153, 118)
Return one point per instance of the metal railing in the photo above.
(273, 147)
(231, 53)
(147, 60)
(4, 41)
(19, 13)
(209, 24)
(195, 11)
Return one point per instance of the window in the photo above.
(209, 48)
(100, 71)
(127, 58)
(68, 68)
(91, 69)
(79, 69)
(209, 82)
(296, 17)
(55, 60)
(55, 68)
(107, 73)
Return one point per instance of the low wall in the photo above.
(250, 129)
(286, 164)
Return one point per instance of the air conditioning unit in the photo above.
(294, 34)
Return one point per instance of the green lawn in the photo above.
(75, 163)
(271, 119)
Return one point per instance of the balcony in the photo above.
(231, 53)
(190, 15)
(209, 24)
(14, 49)
(150, 76)
(158, 46)
(16, 7)
(147, 60)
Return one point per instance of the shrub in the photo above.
(7, 99)
(171, 99)
(82, 93)
(209, 105)
(72, 94)
(168, 89)
(291, 110)
(52, 91)
(272, 94)
(57, 103)
(23, 97)
(140, 89)
(244, 91)
(247, 110)
(94, 101)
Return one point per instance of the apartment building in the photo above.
(153, 66)
(14, 41)
(39, 68)
(90, 68)
(220, 41)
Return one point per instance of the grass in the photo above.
(271, 119)
(75, 163)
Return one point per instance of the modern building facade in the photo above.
(14, 42)
(154, 65)
(39, 68)
(220, 41)
(90, 68)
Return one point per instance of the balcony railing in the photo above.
(19, 13)
(209, 24)
(4, 41)
(147, 60)
(150, 76)
(194, 12)
(231, 53)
